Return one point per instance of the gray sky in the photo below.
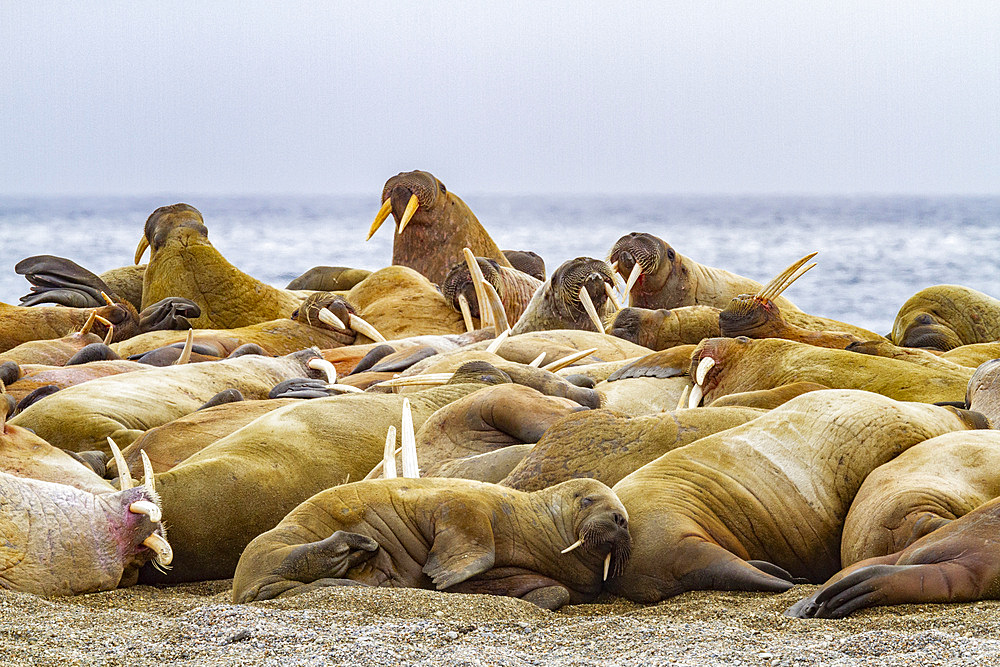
(223, 97)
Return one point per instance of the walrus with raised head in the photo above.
(947, 316)
(551, 547)
(756, 506)
(433, 225)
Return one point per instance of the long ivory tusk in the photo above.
(559, 364)
(463, 305)
(607, 565)
(364, 328)
(389, 455)
(411, 208)
(781, 282)
(588, 305)
(694, 400)
(156, 542)
(148, 480)
(143, 244)
(704, 366)
(147, 508)
(611, 295)
(614, 266)
(124, 476)
(107, 299)
(682, 402)
(318, 364)
(327, 316)
(417, 380)
(576, 544)
(485, 314)
(89, 324)
(632, 277)
(186, 352)
(499, 312)
(537, 361)
(498, 341)
(380, 217)
(409, 437)
(346, 388)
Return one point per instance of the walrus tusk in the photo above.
(783, 280)
(186, 352)
(380, 217)
(89, 324)
(124, 476)
(111, 334)
(563, 362)
(704, 366)
(364, 328)
(614, 266)
(485, 315)
(346, 388)
(499, 312)
(143, 244)
(107, 299)
(389, 455)
(463, 305)
(147, 508)
(694, 400)
(148, 480)
(576, 544)
(682, 402)
(416, 380)
(411, 208)
(537, 361)
(156, 542)
(106, 322)
(611, 295)
(607, 564)
(319, 364)
(326, 316)
(409, 437)
(498, 341)
(632, 277)
(588, 305)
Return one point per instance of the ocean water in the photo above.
(874, 252)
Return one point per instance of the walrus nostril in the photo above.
(619, 520)
(924, 319)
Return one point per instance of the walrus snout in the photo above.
(639, 248)
(931, 335)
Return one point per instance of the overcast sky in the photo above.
(218, 97)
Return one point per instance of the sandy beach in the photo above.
(196, 624)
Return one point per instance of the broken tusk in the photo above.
(110, 335)
(463, 305)
(186, 352)
(364, 328)
(124, 476)
(156, 542)
(143, 244)
(389, 455)
(559, 364)
(694, 400)
(319, 364)
(537, 361)
(632, 278)
(326, 316)
(380, 217)
(107, 299)
(682, 402)
(148, 508)
(576, 544)
(148, 480)
(704, 366)
(410, 468)
(411, 208)
(588, 305)
(607, 564)
(498, 341)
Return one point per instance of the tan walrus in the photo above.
(551, 547)
(433, 225)
(947, 316)
(755, 506)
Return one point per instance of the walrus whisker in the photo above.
(124, 476)
(588, 305)
(499, 312)
(164, 554)
(147, 508)
(328, 317)
(380, 217)
(463, 305)
(320, 364)
(410, 468)
(694, 400)
(411, 209)
(89, 324)
(389, 455)
(607, 564)
(485, 314)
(364, 328)
(141, 250)
(188, 348)
(632, 277)
(537, 361)
(682, 402)
(563, 362)
(148, 480)
(498, 341)
(611, 295)
(704, 366)
(576, 544)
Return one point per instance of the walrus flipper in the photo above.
(715, 568)
(170, 314)
(664, 364)
(463, 546)
(61, 281)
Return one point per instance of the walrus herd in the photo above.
(638, 426)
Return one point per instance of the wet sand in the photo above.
(196, 624)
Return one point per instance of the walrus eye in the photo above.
(671, 254)
(586, 502)
(444, 190)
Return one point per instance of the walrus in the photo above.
(923, 488)
(61, 377)
(660, 277)
(551, 547)
(983, 392)
(947, 316)
(433, 225)
(183, 263)
(527, 261)
(758, 505)
(20, 325)
(958, 562)
(400, 302)
(665, 328)
(574, 297)
(328, 279)
(515, 288)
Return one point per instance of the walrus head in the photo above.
(311, 313)
(166, 220)
(708, 364)
(638, 256)
(459, 283)
(924, 330)
(404, 195)
(748, 315)
(581, 274)
(600, 523)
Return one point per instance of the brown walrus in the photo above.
(574, 297)
(455, 535)
(920, 490)
(755, 506)
(433, 225)
(20, 325)
(515, 288)
(958, 562)
(183, 263)
(660, 277)
(947, 316)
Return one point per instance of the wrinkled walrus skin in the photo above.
(454, 535)
(944, 317)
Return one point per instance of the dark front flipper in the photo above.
(61, 281)
(92, 352)
(463, 545)
(666, 364)
(302, 388)
(170, 314)
(550, 597)
(775, 571)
